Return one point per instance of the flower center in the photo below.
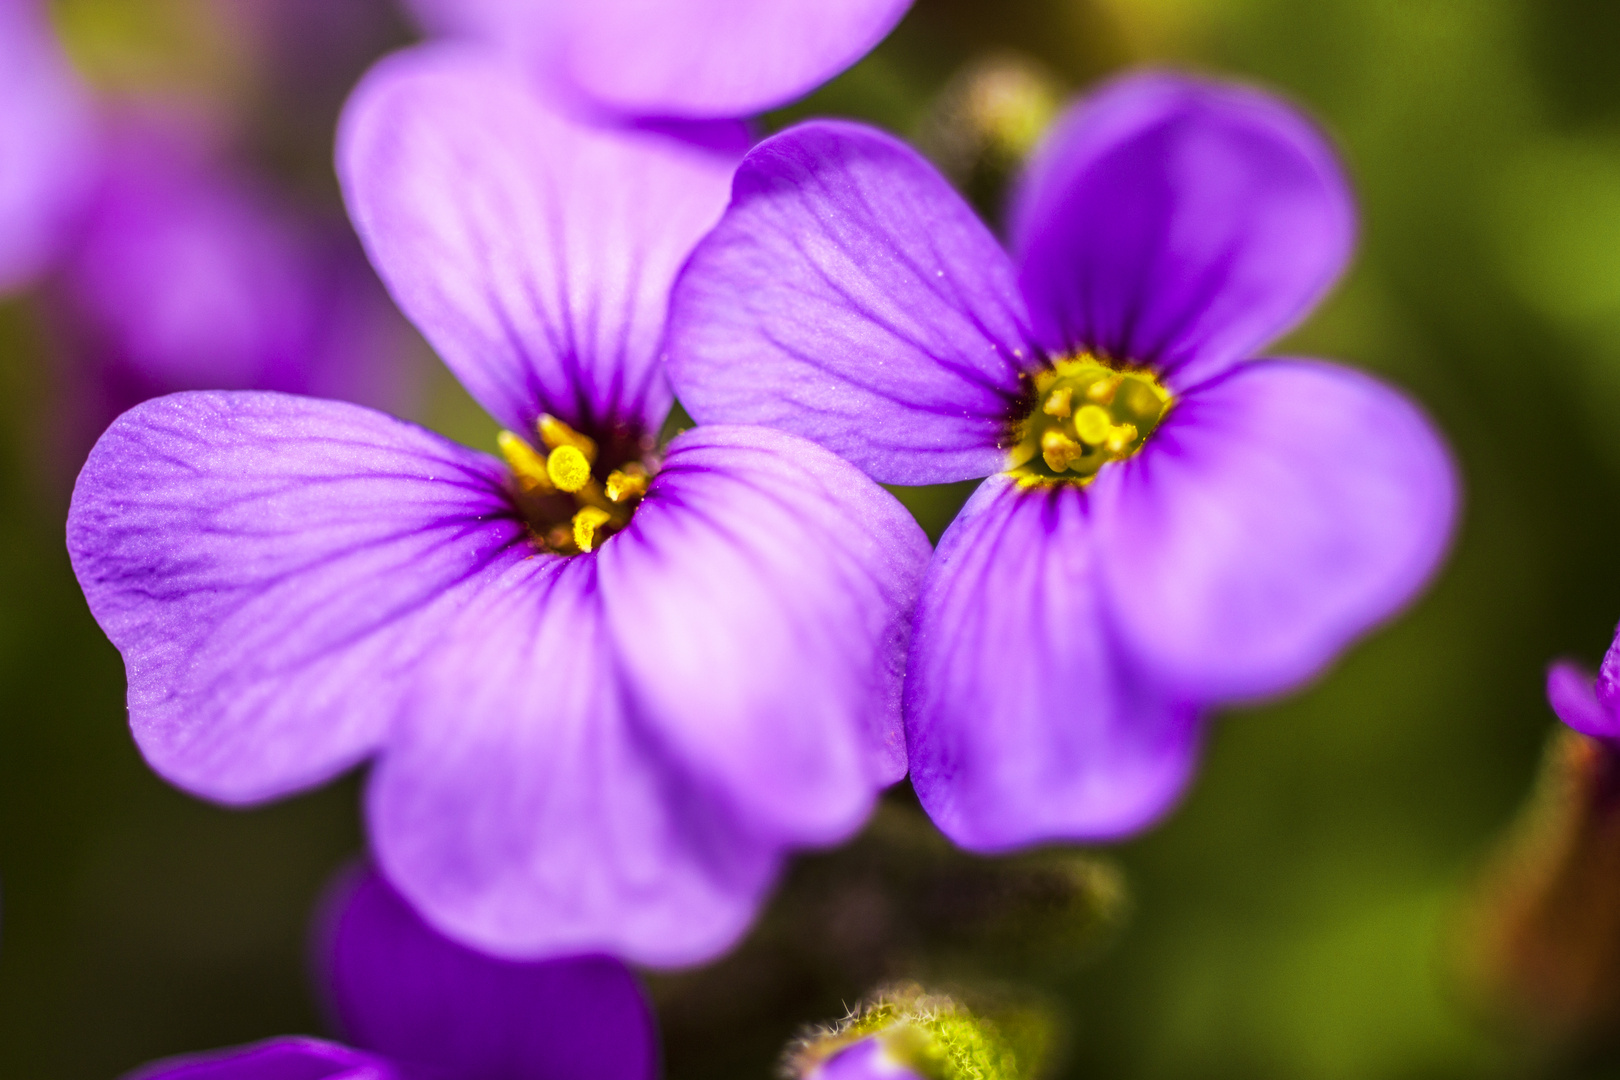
(574, 496)
(1085, 414)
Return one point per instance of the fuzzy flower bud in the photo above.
(905, 1033)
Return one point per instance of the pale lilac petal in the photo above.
(850, 296)
(764, 591)
(1180, 223)
(47, 145)
(189, 273)
(290, 1058)
(1276, 515)
(398, 988)
(1574, 699)
(526, 807)
(685, 58)
(273, 569)
(1024, 721)
(535, 252)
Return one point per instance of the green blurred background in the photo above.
(1288, 920)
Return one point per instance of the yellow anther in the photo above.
(1087, 412)
(568, 468)
(1059, 451)
(1057, 402)
(1120, 439)
(528, 467)
(1102, 391)
(627, 483)
(556, 435)
(1092, 423)
(586, 522)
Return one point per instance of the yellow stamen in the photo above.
(556, 435)
(568, 468)
(1059, 451)
(627, 483)
(1120, 439)
(528, 467)
(586, 522)
(1093, 424)
(1102, 391)
(1086, 412)
(1057, 402)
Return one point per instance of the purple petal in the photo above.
(1023, 722)
(1573, 697)
(273, 570)
(535, 252)
(768, 578)
(1179, 223)
(615, 763)
(526, 809)
(290, 1058)
(1276, 515)
(851, 297)
(865, 1060)
(46, 142)
(678, 58)
(400, 989)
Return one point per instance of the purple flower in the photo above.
(605, 689)
(1590, 706)
(675, 58)
(1167, 525)
(188, 272)
(419, 1006)
(47, 153)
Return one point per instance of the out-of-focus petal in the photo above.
(534, 251)
(1574, 699)
(188, 273)
(678, 58)
(526, 808)
(273, 569)
(763, 598)
(291, 1058)
(398, 988)
(1023, 721)
(850, 296)
(1179, 223)
(47, 145)
(1276, 515)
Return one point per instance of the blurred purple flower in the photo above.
(1590, 706)
(675, 58)
(420, 1006)
(47, 148)
(188, 272)
(1168, 524)
(599, 751)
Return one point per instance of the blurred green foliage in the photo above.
(1287, 921)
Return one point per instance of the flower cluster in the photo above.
(609, 680)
